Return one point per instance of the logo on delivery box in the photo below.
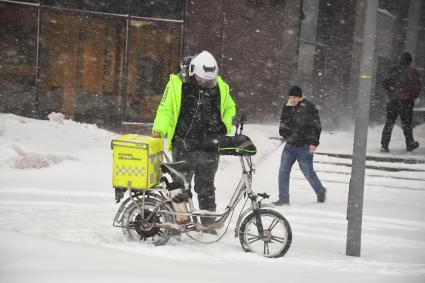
(128, 157)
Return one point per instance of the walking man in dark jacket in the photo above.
(300, 127)
(403, 86)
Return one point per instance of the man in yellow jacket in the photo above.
(192, 116)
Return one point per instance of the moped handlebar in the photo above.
(240, 121)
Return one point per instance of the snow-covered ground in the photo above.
(56, 220)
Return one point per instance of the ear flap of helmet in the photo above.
(183, 69)
(192, 69)
(192, 66)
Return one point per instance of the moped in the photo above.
(167, 209)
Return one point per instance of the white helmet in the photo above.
(204, 68)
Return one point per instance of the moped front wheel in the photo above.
(275, 239)
(136, 227)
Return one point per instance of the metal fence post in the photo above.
(37, 65)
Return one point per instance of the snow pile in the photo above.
(26, 160)
(39, 151)
(56, 117)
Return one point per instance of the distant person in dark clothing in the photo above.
(300, 127)
(196, 109)
(403, 86)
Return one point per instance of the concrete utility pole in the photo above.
(356, 192)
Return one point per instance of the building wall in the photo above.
(82, 66)
(262, 47)
(254, 43)
(333, 59)
(18, 41)
(398, 30)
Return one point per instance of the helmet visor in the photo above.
(207, 83)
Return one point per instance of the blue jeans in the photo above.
(301, 154)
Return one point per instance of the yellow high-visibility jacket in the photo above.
(168, 111)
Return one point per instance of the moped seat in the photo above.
(180, 169)
(239, 145)
(171, 167)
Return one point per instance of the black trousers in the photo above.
(404, 108)
(204, 166)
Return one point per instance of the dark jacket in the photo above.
(300, 125)
(402, 82)
(199, 123)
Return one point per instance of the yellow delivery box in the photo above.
(136, 161)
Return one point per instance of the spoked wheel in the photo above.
(136, 228)
(276, 238)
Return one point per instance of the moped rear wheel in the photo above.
(277, 236)
(137, 228)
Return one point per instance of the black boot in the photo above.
(384, 149)
(207, 221)
(412, 146)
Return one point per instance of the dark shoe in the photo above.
(412, 146)
(384, 149)
(321, 197)
(281, 202)
(207, 221)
